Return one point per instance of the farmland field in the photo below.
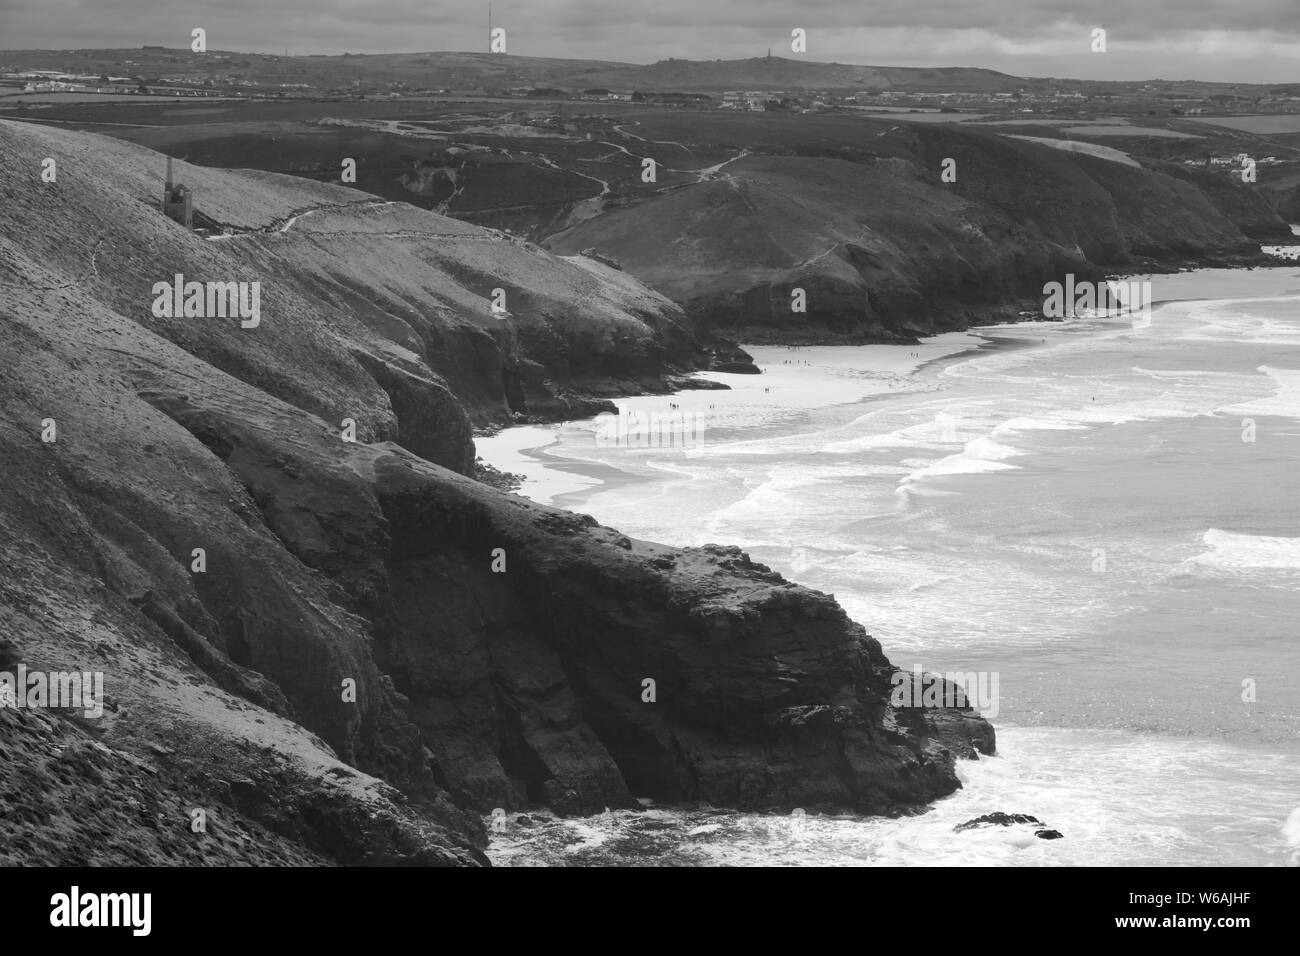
(1273, 123)
(1127, 131)
(8, 98)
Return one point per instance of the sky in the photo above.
(1252, 41)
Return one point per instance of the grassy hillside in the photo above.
(862, 220)
(746, 208)
(404, 294)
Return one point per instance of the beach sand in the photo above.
(556, 469)
(562, 466)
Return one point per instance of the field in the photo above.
(1272, 123)
(17, 96)
(1089, 149)
(540, 167)
(1125, 130)
(531, 167)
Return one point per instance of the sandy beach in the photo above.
(557, 461)
(563, 466)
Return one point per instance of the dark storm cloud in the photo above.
(1211, 39)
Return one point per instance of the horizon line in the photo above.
(628, 63)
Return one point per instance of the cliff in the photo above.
(348, 651)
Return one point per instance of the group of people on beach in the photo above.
(793, 348)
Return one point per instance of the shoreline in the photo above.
(568, 482)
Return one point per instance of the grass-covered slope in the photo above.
(883, 246)
(366, 306)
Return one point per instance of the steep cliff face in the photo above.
(347, 651)
(882, 247)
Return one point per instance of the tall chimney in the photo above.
(167, 190)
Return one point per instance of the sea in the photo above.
(1102, 512)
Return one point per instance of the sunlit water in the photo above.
(1104, 513)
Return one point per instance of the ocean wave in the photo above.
(1284, 403)
(1027, 423)
(1119, 799)
(1153, 408)
(1224, 321)
(1243, 552)
(1291, 833)
(1175, 374)
(979, 456)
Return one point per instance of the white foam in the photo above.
(1245, 322)
(1248, 551)
(1118, 799)
(1176, 374)
(900, 438)
(1027, 423)
(980, 456)
(1285, 403)
(1153, 408)
(1291, 829)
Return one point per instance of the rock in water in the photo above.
(1001, 819)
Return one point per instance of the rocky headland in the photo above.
(350, 651)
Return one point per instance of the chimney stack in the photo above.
(167, 190)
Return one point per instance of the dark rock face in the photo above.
(998, 819)
(765, 694)
(1001, 819)
(339, 650)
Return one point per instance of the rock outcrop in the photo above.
(1001, 819)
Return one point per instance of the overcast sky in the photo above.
(1244, 40)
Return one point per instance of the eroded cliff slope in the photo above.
(305, 637)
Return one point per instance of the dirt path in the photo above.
(286, 224)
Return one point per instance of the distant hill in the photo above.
(854, 213)
(468, 71)
(747, 207)
(790, 74)
(474, 70)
